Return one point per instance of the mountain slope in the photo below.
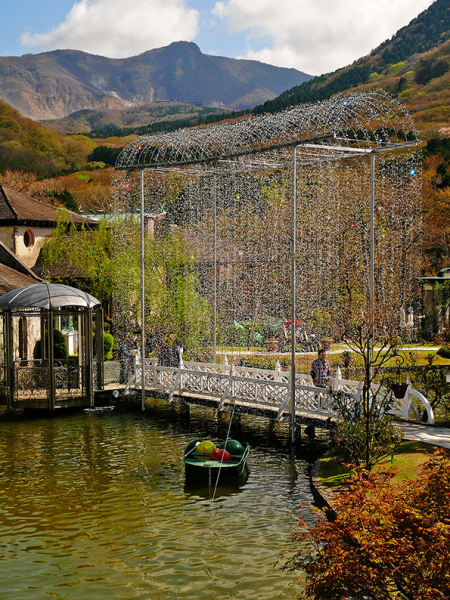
(55, 84)
(28, 146)
(109, 121)
(428, 31)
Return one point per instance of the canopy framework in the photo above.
(33, 374)
(357, 121)
(274, 206)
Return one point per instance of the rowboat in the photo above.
(209, 465)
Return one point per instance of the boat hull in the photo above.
(203, 468)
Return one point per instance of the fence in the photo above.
(263, 388)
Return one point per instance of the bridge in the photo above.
(260, 391)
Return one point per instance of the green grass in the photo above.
(407, 459)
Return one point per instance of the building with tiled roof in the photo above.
(13, 273)
(25, 223)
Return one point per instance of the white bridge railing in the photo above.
(261, 388)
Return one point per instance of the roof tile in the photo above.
(15, 206)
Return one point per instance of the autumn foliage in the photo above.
(387, 542)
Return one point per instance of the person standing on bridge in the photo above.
(177, 354)
(320, 370)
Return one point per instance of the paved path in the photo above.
(334, 350)
(429, 434)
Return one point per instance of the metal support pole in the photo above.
(51, 363)
(99, 328)
(142, 295)
(293, 290)
(9, 358)
(372, 256)
(215, 269)
(89, 356)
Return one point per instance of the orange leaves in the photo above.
(387, 542)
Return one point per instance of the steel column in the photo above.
(372, 255)
(51, 362)
(215, 269)
(293, 287)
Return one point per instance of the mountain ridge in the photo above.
(52, 85)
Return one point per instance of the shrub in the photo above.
(364, 439)
(199, 355)
(386, 542)
(244, 334)
(108, 344)
(350, 438)
(444, 351)
(263, 362)
(59, 345)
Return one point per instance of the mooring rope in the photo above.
(223, 455)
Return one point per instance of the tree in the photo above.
(84, 254)
(60, 197)
(18, 181)
(385, 543)
(430, 68)
(368, 434)
(104, 154)
(173, 304)
(364, 437)
(367, 319)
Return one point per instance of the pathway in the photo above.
(429, 434)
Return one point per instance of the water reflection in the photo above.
(96, 505)
(210, 491)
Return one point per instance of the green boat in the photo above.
(200, 465)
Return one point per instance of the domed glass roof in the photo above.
(46, 295)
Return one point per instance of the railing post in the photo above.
(180, 370)
(225, 364)
(137, 367)
(359, 393)
(277, 376)
(233, 384)
(337, 379)
(407, 400)
(10, 366)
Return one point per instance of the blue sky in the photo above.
(314, 36)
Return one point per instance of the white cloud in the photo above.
(316, 36)
(119, 28)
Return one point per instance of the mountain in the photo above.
(414, 65)
(114, 121)
(52, 85)
(28, 146)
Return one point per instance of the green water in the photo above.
(95, 505)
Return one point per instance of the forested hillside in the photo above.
(405, 54)
(28, 146)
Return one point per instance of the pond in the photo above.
(95, 505)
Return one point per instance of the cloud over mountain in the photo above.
(316, 36)
(119, 28)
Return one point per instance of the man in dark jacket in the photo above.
(320, 370)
